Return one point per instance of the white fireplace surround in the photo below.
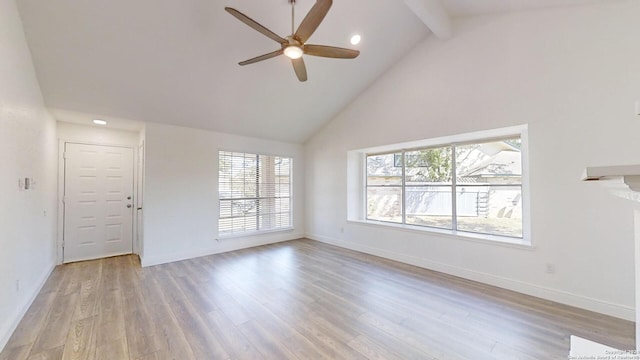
(630, 175)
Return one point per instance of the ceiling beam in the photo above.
(434, 15)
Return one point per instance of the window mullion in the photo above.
(454, 191)
(365, 202)
(258, 192)
(404, 190)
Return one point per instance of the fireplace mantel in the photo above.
(629, 173)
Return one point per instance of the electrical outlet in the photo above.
(17, 285)
(551, 268)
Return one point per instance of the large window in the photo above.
(254, 193)
(473, 187)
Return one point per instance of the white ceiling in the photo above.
(458, 8)
(175, 62)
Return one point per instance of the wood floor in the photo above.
(294, 300)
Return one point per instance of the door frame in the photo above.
(138, 188)
(61, 184)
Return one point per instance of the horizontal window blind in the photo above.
(254, 191)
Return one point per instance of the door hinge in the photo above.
(64, 155)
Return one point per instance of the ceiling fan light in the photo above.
(293, 52)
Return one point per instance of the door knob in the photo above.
(129, 206)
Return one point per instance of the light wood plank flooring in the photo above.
(294, 300)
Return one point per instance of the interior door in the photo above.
(98, 204)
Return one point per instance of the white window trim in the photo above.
(356, 184)
(457, 235)
(254, 233)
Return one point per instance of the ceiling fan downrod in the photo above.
(293, 13)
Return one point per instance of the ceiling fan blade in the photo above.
(262, 57)
(255, 25)
(313, 19)
(330, 52)
(301, 70)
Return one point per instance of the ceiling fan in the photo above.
(294, 45)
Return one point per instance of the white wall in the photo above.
(572, 75)
(27, 149)
(180, 192)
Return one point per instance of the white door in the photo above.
(98, 204)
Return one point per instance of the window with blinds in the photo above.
(254, 192)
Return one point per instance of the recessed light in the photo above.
(355, 39)
(99, 122)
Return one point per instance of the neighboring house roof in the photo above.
(502, 164)
(494, 159)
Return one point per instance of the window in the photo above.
(473, 187)
(254, 192)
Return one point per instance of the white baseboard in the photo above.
(560, 296)
(18, 315)
(230, 244)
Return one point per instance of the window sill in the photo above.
(458, 235)
(253, 233)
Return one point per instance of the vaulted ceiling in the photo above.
(176, 62)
